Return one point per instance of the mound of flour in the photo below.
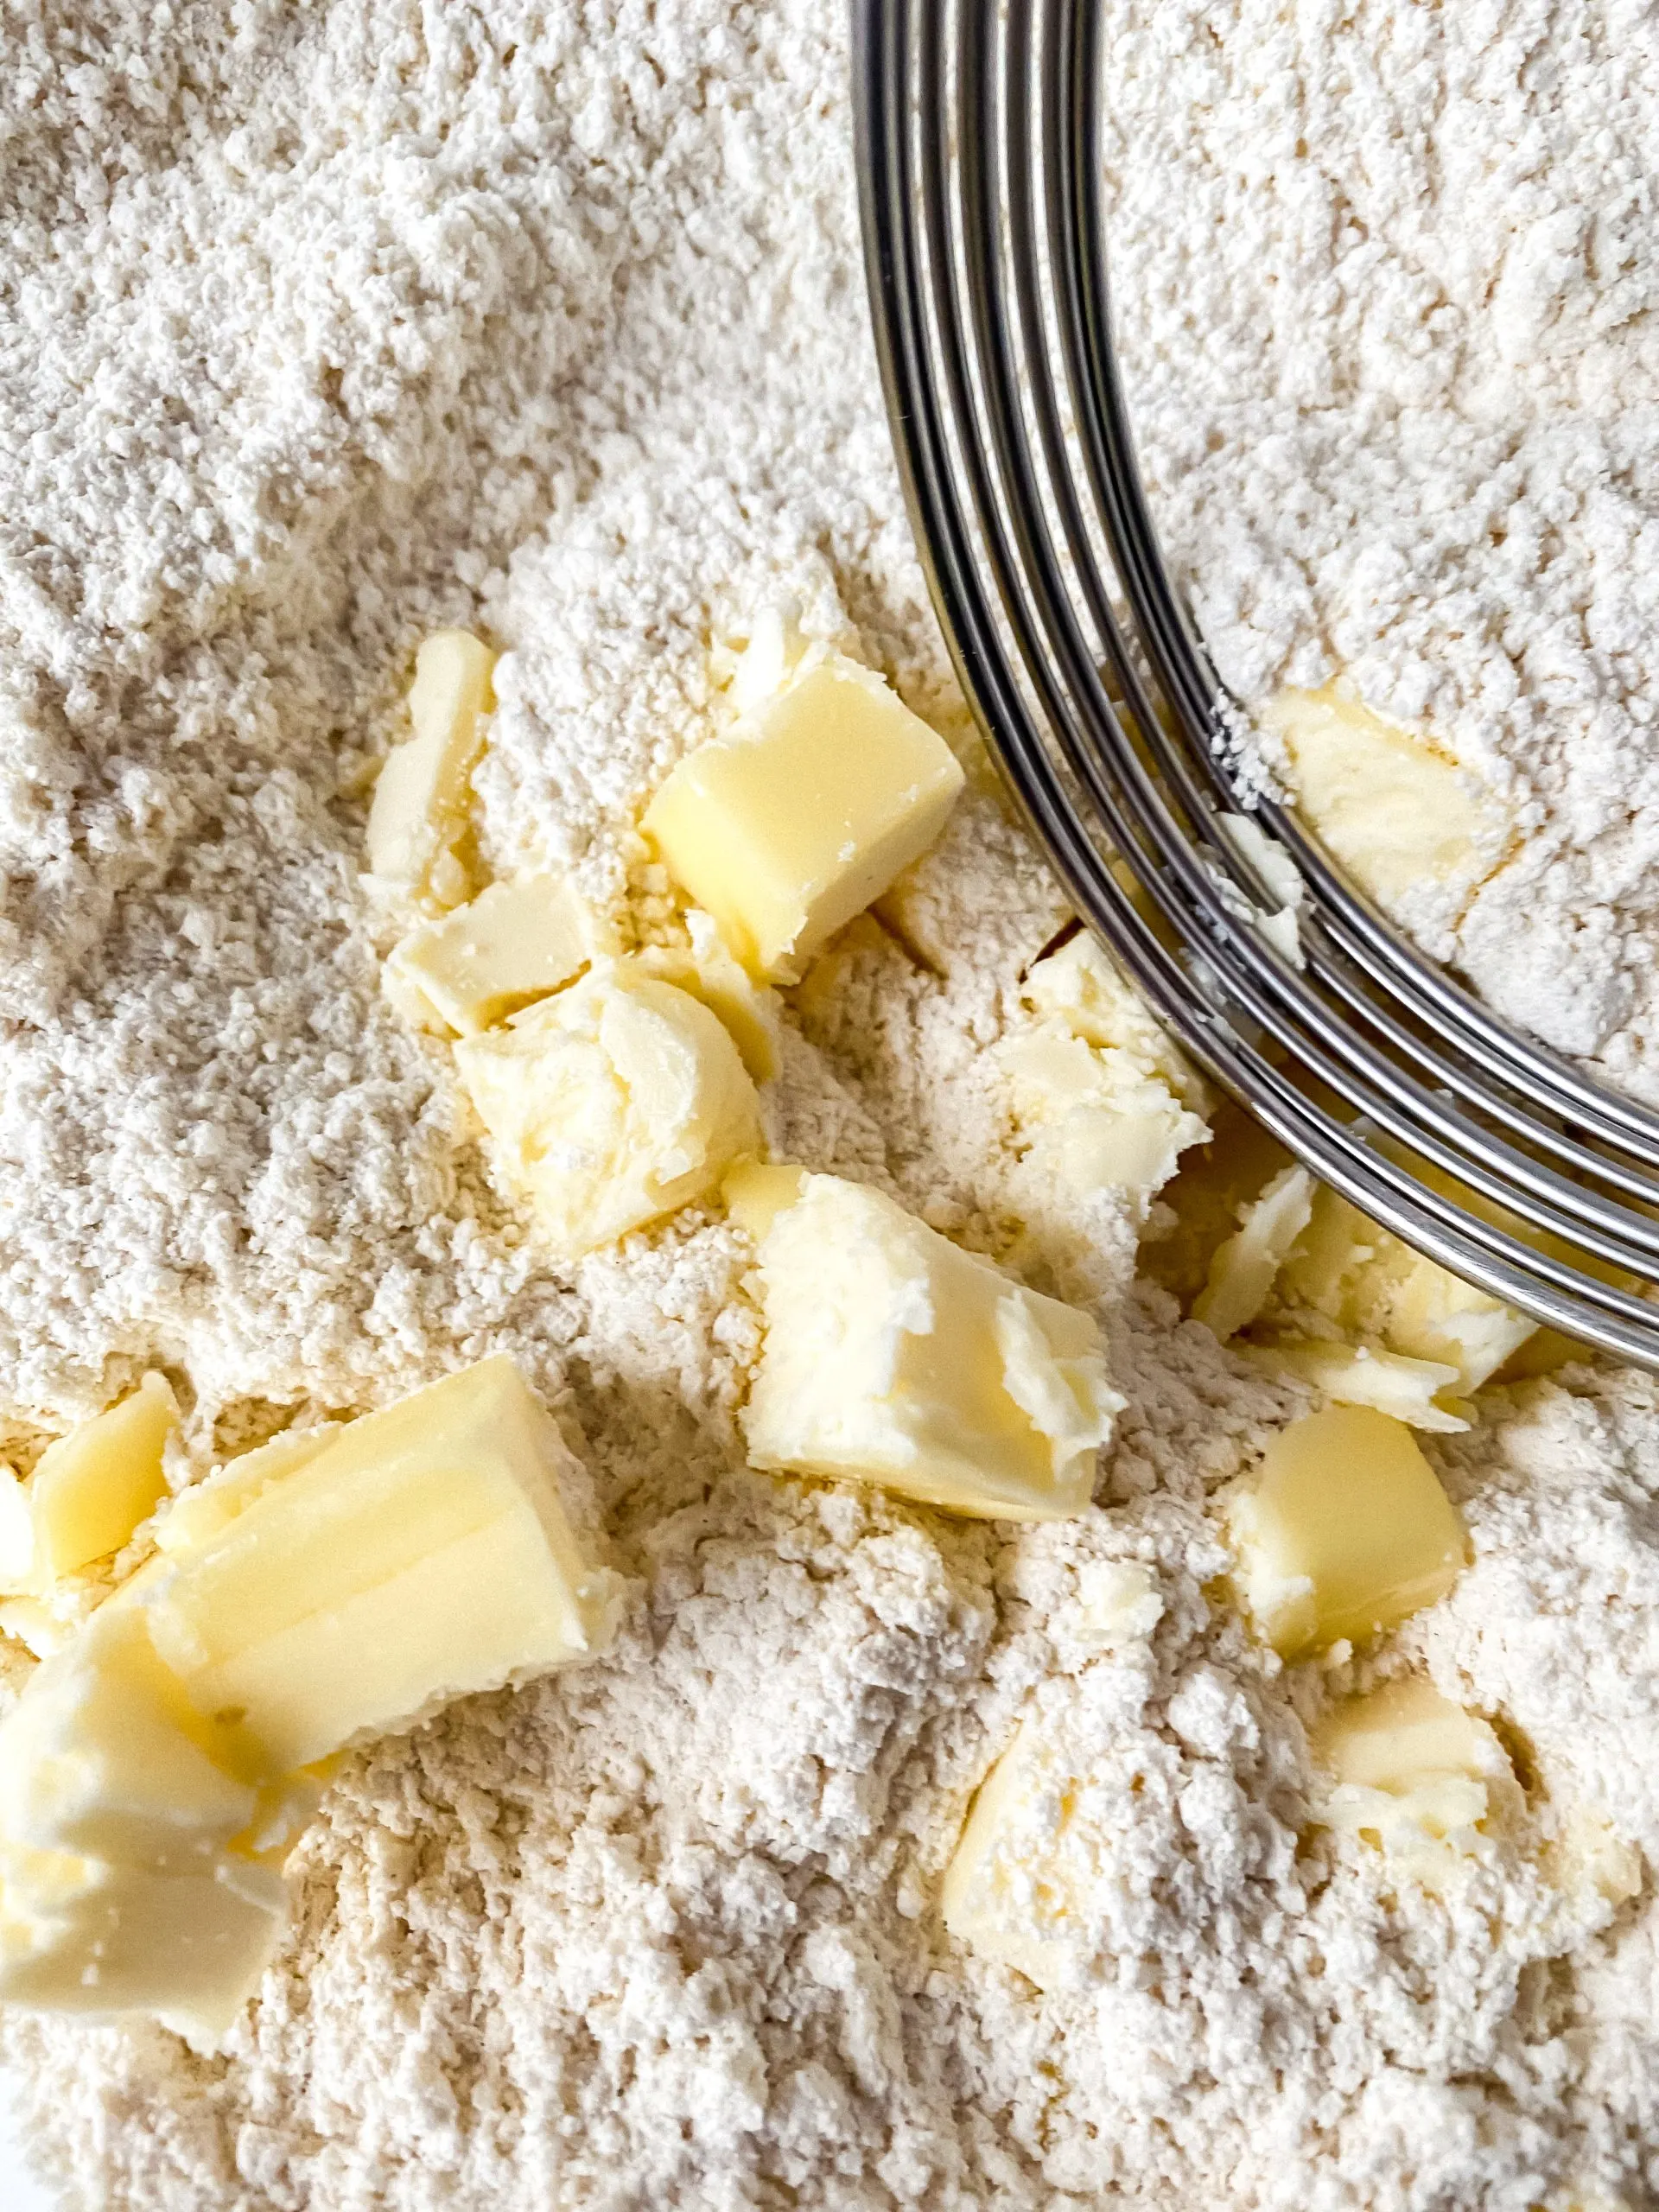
(1390, 316)
(327, 323)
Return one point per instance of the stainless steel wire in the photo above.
(982, 180)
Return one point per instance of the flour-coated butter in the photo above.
(618, 1101)
(1396, 812)
(893, 1357)
(89, 1492)
(1102, 1100)
(1407, 1771)
(424, 1554)
(155, 1772)
(418, 813)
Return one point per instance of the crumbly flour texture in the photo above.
(326, 323)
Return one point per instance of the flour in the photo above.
(1387, 302)
(328, 324)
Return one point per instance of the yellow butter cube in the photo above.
(96, 1936)
(892, 1357)
(347, 1581)
(785, 828)
(517, 942)
(424, 1555)
(89, 1491)
(418, 816)
(621, 1100)
(1409, 1771)
(1397, 813)
(104, 1756)
(1344, 1531)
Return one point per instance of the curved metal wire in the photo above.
(981, 177)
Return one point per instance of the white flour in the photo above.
(1391, 309)
(553, 318)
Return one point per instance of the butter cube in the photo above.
(1397, 813)
(517, 942)
(422, 1555)
(618, 1101)
(418, 816)
(89, 1491)
(892, 1357)
(198, 1515)
(120, 1887)
(1245, 1267)
(751, 1012)
(1344, 1531)
(1408, 1771)
(104, 1756)
(95, 1935)
(1009, 1893)
(791, 824)
(154, 1772)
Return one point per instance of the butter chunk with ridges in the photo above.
(1243, 1267)
(423, 1555)
(621, 1100)
(1409, 1771)
(789, 826)
(892, 1357)
(90, 1490)
(515, 943)
(1343, 1532)
(418, 815)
